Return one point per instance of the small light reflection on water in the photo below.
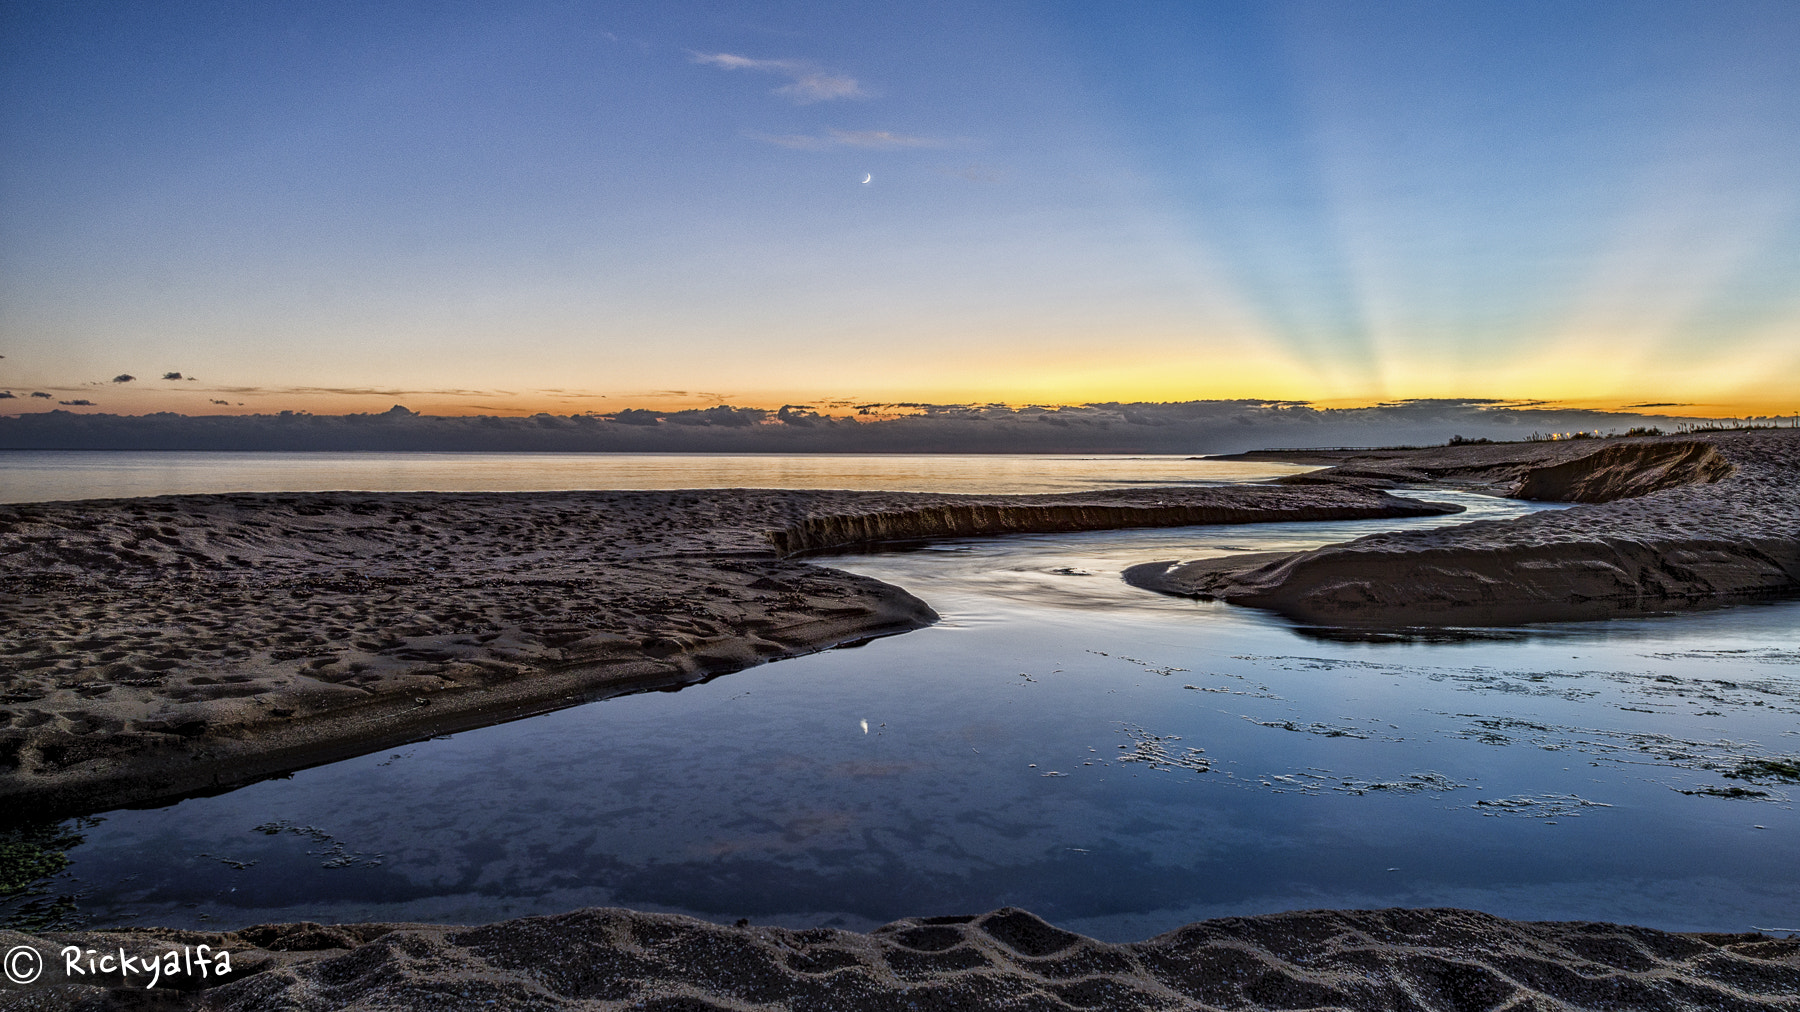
(1117, 761)
(49, 475)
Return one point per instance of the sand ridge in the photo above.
(1667, 523)
(605, 959)
(155, 647)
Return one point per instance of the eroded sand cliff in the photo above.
(1666, 523)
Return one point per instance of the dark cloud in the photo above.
(173, 376)
(124, 377)
(721, 415)
(1190, 427)
(78, 403)
(217, 401)
(40, 393)
(797, 414)
(1663, 404)
(6, 395)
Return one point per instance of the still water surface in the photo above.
(52, 475)
(1117, 761)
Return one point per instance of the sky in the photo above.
(571, 207)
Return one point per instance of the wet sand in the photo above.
(158, 646)
(609, 959)
(165, 646)
(1666, 523)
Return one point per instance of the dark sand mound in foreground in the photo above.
(1670, 523)
(607, 959)
(155, 647)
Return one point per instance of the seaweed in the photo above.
(1728, 792)
(32, 853)
(1782, 770)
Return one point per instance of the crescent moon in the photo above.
(868, 176)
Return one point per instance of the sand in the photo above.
(1667, 523)
(609, 959)
(158, 647)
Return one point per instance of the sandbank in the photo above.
(160, 647)
(157, 647)
(1664, 523)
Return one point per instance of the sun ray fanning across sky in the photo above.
(308, 208)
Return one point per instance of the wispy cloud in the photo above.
(807, 82)
(975, 173)
(798, 142)
(356, 391)
(868, 140)
(809, 88)
(692, 395)
(881, 140)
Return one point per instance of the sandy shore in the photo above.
(161, 646)
(607, 959)
(1666, 523)
(158, 647)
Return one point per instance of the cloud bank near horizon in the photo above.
(1197, 427)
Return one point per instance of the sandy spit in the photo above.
(157, 647)
(604, 960)
(1666, 523)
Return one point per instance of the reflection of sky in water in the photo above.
(47, 475)
(1035, 749)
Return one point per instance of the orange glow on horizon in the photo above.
(1047, 395)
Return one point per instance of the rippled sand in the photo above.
(166, 645)
(609, 959)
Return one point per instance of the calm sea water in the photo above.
(49, 475)
(1117, 761)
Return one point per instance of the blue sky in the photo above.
(581, 206)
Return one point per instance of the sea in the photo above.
(1117, 761)
(52, 475)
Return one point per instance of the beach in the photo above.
(604, 960)
(181, 644)
(773, 507)
(1664, 523)
(164, 646)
